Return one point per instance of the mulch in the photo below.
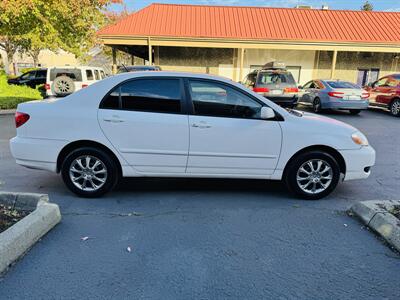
(9, 216)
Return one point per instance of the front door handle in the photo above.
(113, 120)
(201, 125)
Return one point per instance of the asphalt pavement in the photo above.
(210, 239)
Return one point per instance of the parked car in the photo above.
(274, 82)
(65, 80)
(32, 78)
(169, 124)
(334, 94)
(125, 69)
(386, 93)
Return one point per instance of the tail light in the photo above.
(365, 95)
(261, 90)
(47, 86)
(84, 85)
(336, 94)
(291, 90)
(21, 119)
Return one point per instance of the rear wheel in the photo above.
(312, 175)
(317, 108)
(395, 108)
(89, 172)
(355, 111)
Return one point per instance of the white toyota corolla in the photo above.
(184, 125)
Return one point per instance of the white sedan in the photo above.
(184, 125)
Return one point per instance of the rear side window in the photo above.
(89, 75)
(342, 85)
(74, 74)
(147, 95)
(275, 78)
(41, 73)
(96, 74)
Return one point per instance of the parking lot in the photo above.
(210, 239)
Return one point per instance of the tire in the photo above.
(97, 184)
(355, 111)
(395, 108)
(317, 108)
(63, 86)
(293, 170)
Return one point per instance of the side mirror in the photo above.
(300, 87)
(267, 113)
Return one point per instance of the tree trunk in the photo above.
(35, 56)
(10, 50)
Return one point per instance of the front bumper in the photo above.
(358, 162)
(346, 104)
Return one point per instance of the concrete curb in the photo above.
(375, 214)
(7, 111)
(17, 239)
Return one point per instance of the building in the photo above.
(46, 58)
(230, 41)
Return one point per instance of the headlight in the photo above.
(359, 139)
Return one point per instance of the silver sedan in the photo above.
(334, 94)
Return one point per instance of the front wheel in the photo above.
(395, 108)
(312, 175)
(317, 107)
(89, 172)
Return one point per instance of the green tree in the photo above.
(32, 25)
(367, 6)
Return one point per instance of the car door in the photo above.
(227, 136)
(378, 90)
(306, 91)
(146, 121)
(40, 77)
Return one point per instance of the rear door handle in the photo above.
(201, 125)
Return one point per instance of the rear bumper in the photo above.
(346, 104)
(36, 153)
(284, 100)
(358, 162)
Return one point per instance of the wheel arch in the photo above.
(85, 143)
(339, 158)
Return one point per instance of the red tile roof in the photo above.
(259, 23)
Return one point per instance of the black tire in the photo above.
(110, 179)
(317, 108)
(291, 172)
(395, 108)
(355, 111)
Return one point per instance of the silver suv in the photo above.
(274, 82)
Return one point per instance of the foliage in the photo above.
(11, 95)
(33, 25)
(9, 216)
(367, 6)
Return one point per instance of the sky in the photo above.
(382, 5)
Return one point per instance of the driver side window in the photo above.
(381, 82)
(218, 100)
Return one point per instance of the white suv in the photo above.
(65, 80)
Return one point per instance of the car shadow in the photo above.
(203, 185)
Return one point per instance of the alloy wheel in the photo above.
(314, 176)
(88, 173)
(395, 108)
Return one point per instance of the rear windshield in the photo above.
(74, 74)
(275, 78)
(342, 85)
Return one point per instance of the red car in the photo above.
(386, 93)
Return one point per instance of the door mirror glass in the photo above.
(267, 113)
